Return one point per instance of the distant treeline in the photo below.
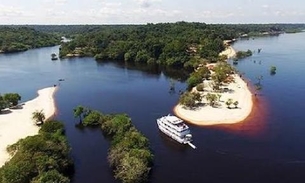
(171, 44)
(67, 30)
(179, 44)
(151, 40)
(255, 29)
(15, 39)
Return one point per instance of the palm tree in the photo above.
(38, 117)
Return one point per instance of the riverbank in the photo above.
(229, 52)
(16, 124)
(222, 114)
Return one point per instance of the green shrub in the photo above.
(129, 154)
(200, 87)
(52, 176)
(92, 119)
(51, 127)
(120, 123)
(193, 80)
(39, 158)
(272, 70)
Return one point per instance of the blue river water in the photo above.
(268, 147)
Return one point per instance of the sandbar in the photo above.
(16, 124)
(207, 115)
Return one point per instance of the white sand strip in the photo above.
(207, 115)
(229, 52)
(18, 123)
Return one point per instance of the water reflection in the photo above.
(153, 69)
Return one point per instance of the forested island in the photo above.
(162, 44)
(129, 154)
(16, 39)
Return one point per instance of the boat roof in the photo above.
(173, 119)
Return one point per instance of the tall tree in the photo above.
(3, 103)
(38, 117)
(211, 98)
(12, 98)
(78, 112)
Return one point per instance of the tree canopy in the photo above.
(190, 99)
(12, 98)
(40, 158)
(15, 39)
(9, 100)
(3, 103)
(38, 116)
(129, 154)
(169, 44)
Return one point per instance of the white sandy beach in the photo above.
(207, 115)
(18, 123)
(229, 52)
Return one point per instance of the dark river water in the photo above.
(268, 147)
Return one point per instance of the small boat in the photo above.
(54, 56)
(175, 128)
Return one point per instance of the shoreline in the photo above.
(16, 124)
(207, 115)
(229, 52)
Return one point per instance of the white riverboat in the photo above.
(175, 128)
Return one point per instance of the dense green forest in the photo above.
(129, 155)
(41, 158)
(179, 44)
(165, 44)
(68, 30)
(103, 38)
(15, 39)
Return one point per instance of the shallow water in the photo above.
(267, 147)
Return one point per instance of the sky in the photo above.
(150, 11)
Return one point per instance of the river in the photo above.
(267, 147)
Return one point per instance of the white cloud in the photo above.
(13, 11)
(52, 3)
(60, 2)
(216, 14)
(55, 13)
(107, 10)
(144, 11)
(147, 3)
